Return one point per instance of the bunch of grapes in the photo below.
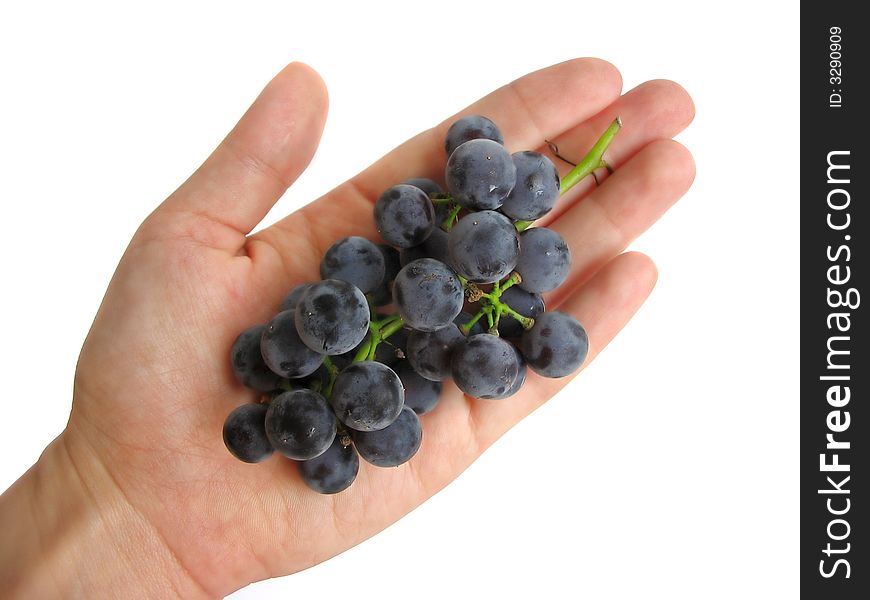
(343, 377)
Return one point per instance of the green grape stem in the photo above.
(511, 281)
(363, 352)
(395, 325)
(526, 322)
(594, 159)
(378, 332)
(333, 373)
(447, 225)
(492, 307)
(467, 327)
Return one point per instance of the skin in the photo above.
(139, 497)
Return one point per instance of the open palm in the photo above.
(154, 383)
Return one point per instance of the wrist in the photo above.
(69, 532)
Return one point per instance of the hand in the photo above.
(140, 481)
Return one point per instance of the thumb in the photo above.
(261, 157)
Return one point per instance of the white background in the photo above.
(669, 469)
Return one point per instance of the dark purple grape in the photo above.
(392, 262)
(430, 187)
(245, 433)
(480, 174)
(421, 394)
(284, 351)
(519, 381)
(484, 246)
(556, 345)
(428, 294)
(537, 187)
(367, 396)
(429, 352)
(485, 366)
(544, 261)
(404, 216)
(468, 128)
(383, 294)
(525, 303)
(435, 247)
(248, 364)
(290, 300)
(332, 317)
(355, 260)
(300, 424)
(393, 445)
(332, 471)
